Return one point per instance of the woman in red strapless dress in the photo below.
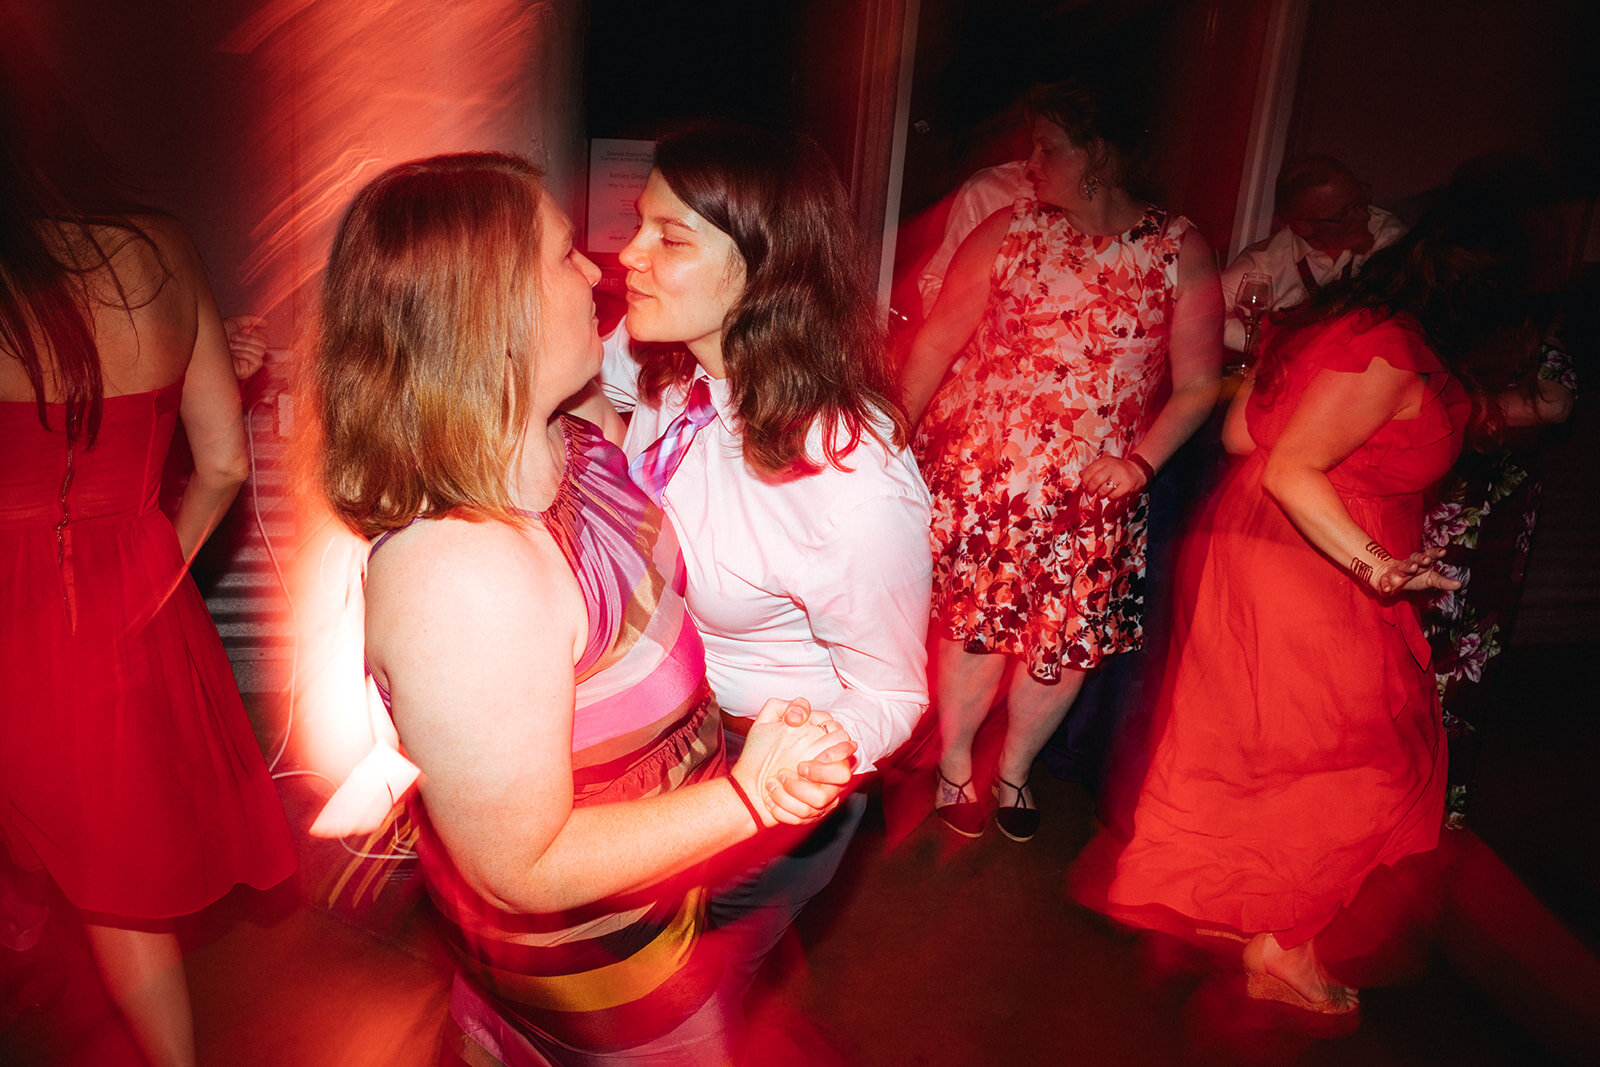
(128, 769)
(1300, 745)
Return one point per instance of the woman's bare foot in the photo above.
(1293, 974)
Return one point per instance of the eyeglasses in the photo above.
(1362, 206)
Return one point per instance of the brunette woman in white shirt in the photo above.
(803, 519)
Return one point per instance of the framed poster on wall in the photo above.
(617, 171)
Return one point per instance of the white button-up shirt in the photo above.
(814, 586)
(1276, 257)
(980, 196)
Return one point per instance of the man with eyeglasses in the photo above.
(1326, 229)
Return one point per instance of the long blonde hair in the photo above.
(419, 381)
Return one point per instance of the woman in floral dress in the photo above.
(1081, 307)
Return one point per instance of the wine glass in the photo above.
(1254, 298)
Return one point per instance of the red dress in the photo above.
(128, 768)
(1300, 744)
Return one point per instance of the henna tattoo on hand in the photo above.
(1378, 551)
(1362, 569)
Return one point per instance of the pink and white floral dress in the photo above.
(1069, 362)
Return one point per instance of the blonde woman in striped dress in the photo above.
(524, 630)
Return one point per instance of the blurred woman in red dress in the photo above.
(1299, 745)
(128, 769)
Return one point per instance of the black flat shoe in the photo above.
(958, 807)
(1018, 820)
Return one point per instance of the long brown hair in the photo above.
(803, 341)
(56, 192)
(419, 380)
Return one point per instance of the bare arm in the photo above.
(955, 314)
(1551, 403)
(1196, 357)
(476, 628)
(1236, 427)
(1338, 412)
(967, 211)
(213, 417)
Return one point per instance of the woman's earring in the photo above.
(1089, 186)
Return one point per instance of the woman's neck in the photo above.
(540, 464)
(1111, 212)
(707, 351)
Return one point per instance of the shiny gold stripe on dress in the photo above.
(392, 843)
(613, 985)
(472, 1054)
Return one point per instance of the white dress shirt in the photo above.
(1276, 257)
(814, 586)
(980, 196)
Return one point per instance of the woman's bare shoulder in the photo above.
(473, 561)
(150, 254)
(1195, 258)
(141, 264)
(454, 595)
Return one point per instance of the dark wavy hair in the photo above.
(1105, 124)
(56, 191)
(804, 340)
(1464, 274)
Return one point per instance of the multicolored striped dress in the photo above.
(574, 986)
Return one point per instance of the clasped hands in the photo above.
(796, 764)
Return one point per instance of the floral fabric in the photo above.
(1066, 365)
(1485, 517)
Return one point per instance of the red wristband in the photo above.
(738, 791)
(1144, 465)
